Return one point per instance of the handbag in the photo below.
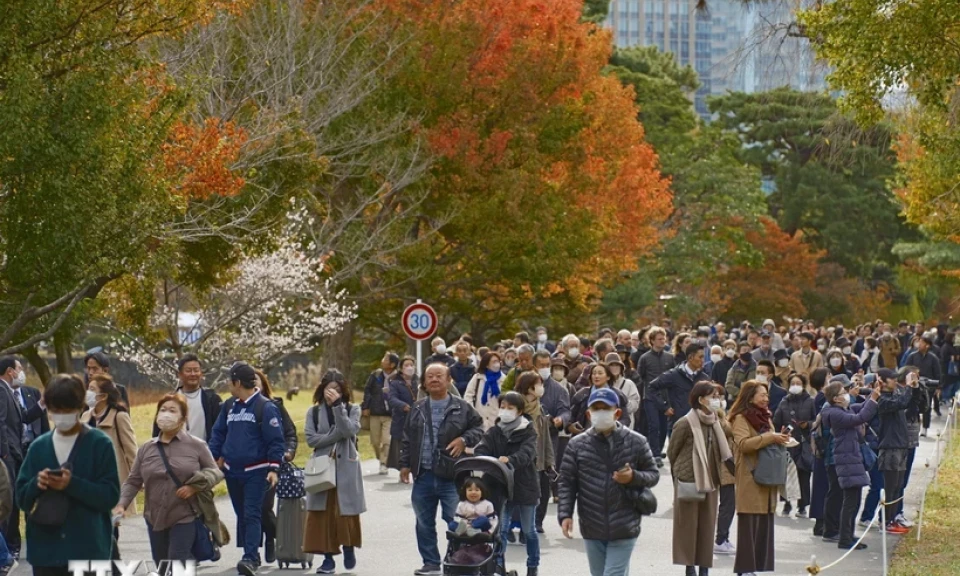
(320, 472)
(687, 492)
(51, 507)
(290, 482)
(204, 547)
(771, 468)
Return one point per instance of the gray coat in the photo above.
(342, 434)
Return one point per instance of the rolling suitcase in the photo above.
(291, 516)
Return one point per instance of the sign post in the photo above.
(419, 323)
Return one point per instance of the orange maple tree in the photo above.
(541, 156)
(198, 158)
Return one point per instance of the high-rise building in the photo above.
(732, 46)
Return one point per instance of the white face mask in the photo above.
(65, 421)
(538, 391)
(782, 362)
(836, 362)
(507, 415)
(558, 375)
(494, 367)
(821, 347)
(20, 380)
(729, 352)
(715, 358)
(167, 421)
(847, 350)
(409, 371)
(544, 373)
(602, 420)
(441, 349)
(845, 399)
(573, 353)
(509, 362)
(796, 389)
(716, 404)
(91, 399)
(761, 378)
(542, 337)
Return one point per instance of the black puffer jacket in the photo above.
(521, 449)
(893, 418)
(459, 420)
(586, 478)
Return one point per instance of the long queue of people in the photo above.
(849, 405)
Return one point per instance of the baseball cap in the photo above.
(242, 372)
(841, 378)
(605, 395)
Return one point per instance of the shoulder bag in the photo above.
(320, 473)
(771, 469)
(51, 507)
(687, 492)
(443, 463)
(204, 546)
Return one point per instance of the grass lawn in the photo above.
(144, 410)
(937, 553)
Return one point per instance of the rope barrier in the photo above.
(814, 568)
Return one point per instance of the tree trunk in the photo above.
(39, 364)
(338, 351)
(62, 343)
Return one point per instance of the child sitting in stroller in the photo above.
(474, 515)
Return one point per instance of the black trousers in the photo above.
(11, 527)
(268, 518)
(544, 498)
(833, 503)
(803, 476)
(728, 507)
(893, 486)
(848, 514)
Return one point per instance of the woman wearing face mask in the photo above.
(106, 412)
(599, 376)
(172, 505)
(798, 410)
(513, 440)
(847, 472)
(483, 390)
(743, 370)
(531, 386)
(756, 504)
(624, 384)
(89, 481)
(401, 398)
(698, 448)
(835, 363)
(722, 365)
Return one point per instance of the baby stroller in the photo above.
(498, 479)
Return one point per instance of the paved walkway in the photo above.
(389, 546)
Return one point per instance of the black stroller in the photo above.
(498, 479)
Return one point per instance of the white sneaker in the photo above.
(901, 520)
(864, 523)
(924, 432)
(725, 548)
(383, 470)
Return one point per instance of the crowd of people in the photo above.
(587, 424)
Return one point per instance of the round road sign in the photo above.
(419, 321)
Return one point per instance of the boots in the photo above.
(531, 571)
(818, 527)
(704, 571)
(691, 571)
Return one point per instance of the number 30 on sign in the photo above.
(419, 321)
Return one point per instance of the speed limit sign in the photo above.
(419, 321)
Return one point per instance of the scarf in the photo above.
(701, 472)
(508, 429)
(491, 387)
(533, 409)
(758, 418)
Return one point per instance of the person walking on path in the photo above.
(698, 448)
(376, 408)
(333, 516)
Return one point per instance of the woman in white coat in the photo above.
(333, 516)
(623, 384)
(483, 390)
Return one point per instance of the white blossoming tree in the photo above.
(272, 305)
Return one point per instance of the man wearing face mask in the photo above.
(11, 439)
(602, 473)
(652, 365)
(573, 357)
(781, 364)
(247, 442)
(679, 381)
(524, 363)
(723, 359)
(439, 355)
(543, 344)
(806, 360)
(743, 370)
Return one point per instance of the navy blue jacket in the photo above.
(399, 397)
(678, 383)
(893, 418)
(844, 425)
(245, 445)
(777, 394)
(461, 376)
